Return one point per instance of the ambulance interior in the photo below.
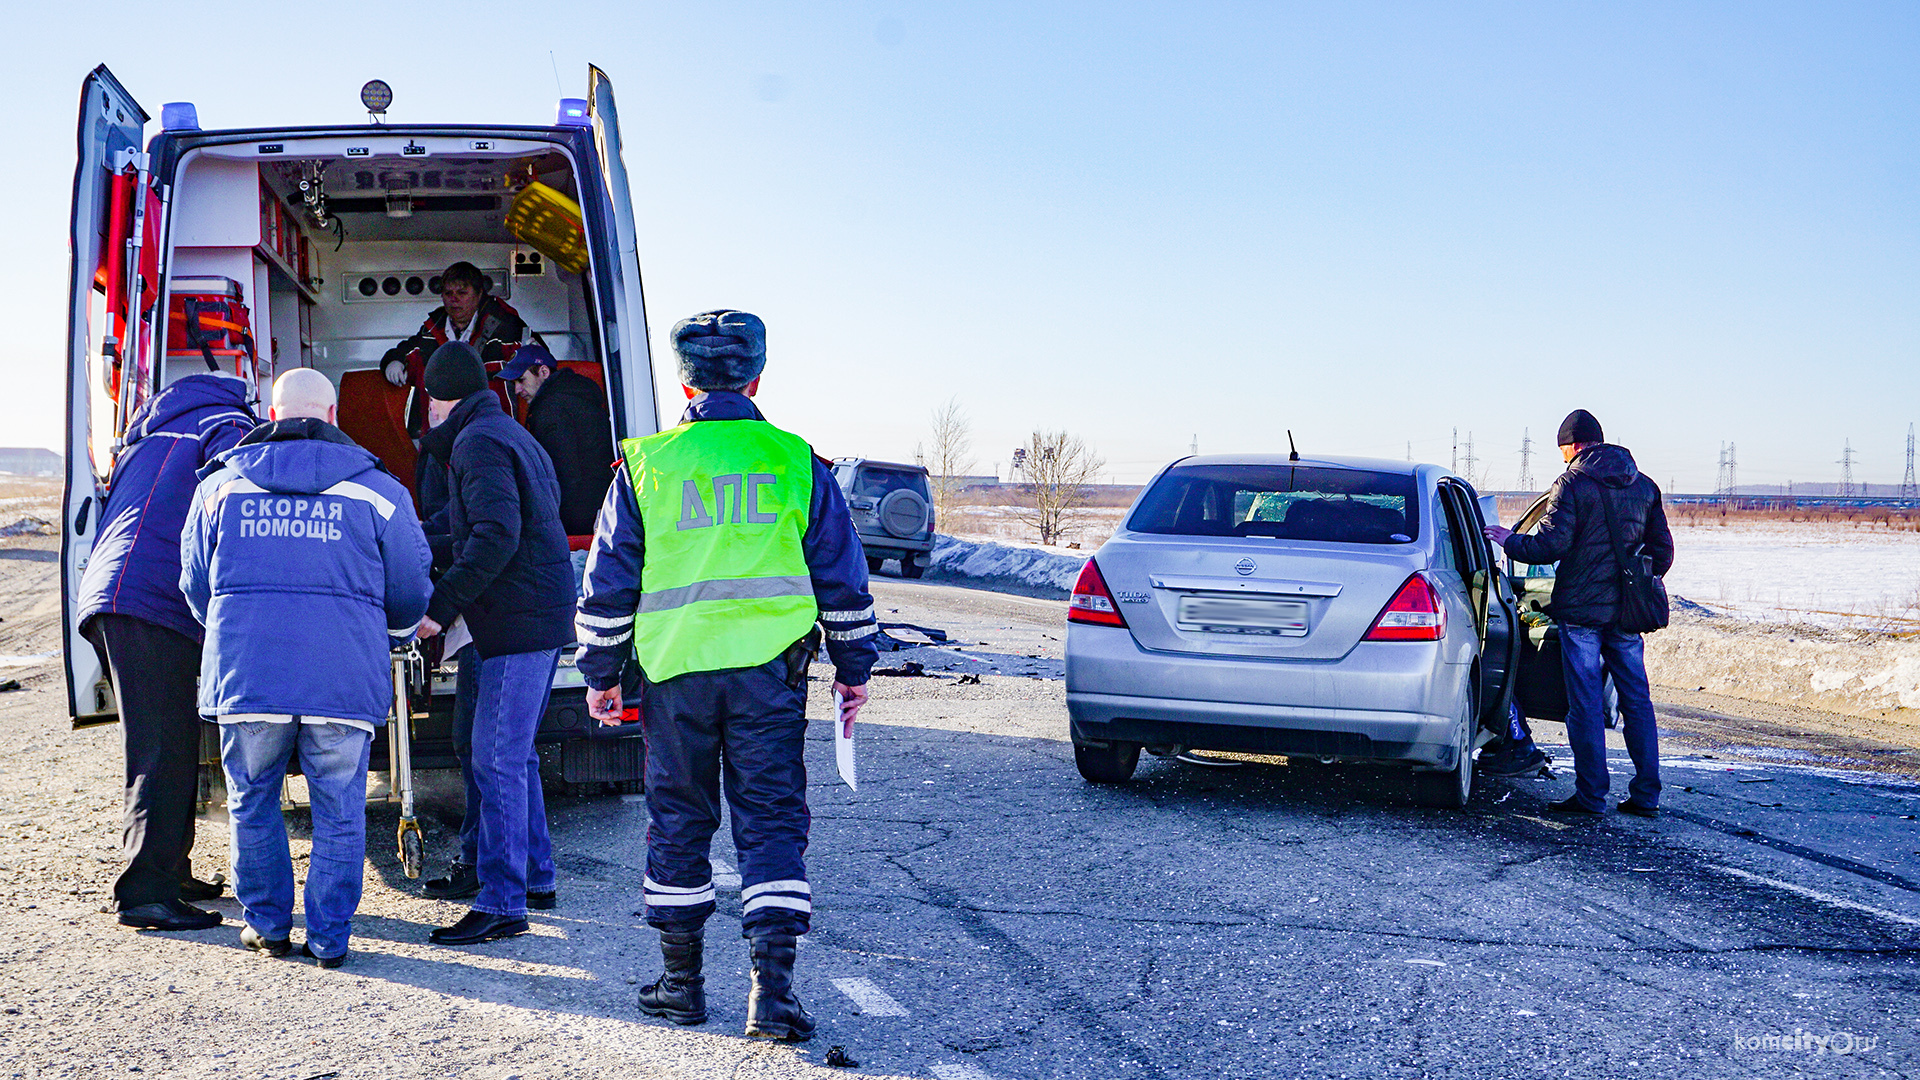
(337, 259)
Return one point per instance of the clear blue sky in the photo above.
(1369, 223)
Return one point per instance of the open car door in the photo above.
(1496, 614)
(627, 347)
(114, 237)
(1541, 686)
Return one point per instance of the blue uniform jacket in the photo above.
(304, 560)
(610, 593)
(135, 565)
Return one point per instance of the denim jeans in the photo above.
(1587, 655)
(334, 759)
(515, 852)
(466, 685)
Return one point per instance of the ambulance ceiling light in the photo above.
(376, 96)
(573, 113)
(179, 116)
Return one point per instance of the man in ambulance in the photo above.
(466, 313)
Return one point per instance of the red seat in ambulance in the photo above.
(373, 413)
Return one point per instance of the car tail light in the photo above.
(1091, 602)
(1414, 614)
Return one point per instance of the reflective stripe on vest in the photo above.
(724, 581)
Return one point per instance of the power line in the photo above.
(1909, 489)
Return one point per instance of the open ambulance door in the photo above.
(115, 281)
(630, 359)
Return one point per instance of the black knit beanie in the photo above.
(1578, 427)
(454, 371)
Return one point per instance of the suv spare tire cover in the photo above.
(903, 513)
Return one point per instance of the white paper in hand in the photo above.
(842, 743)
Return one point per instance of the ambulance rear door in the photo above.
(115, 268)
(627, 343)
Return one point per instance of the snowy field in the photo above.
(1828, 574)
(1837, 575)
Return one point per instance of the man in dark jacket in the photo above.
(131, 609)
(567, 413)
(722, 542)
(1586, 596)
(304, 560)
(510, 581)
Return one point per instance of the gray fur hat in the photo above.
(720, 350)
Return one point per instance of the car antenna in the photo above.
(1294, 451)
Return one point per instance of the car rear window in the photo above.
(1289, 502)
(874, 483)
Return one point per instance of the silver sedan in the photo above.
(1339, 609)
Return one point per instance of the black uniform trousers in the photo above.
(745, 727)
(154, 671)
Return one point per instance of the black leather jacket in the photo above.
(1573, 533)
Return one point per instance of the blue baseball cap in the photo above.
(529, 355)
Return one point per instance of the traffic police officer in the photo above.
(720, 545)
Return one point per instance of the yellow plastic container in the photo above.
(549, 222)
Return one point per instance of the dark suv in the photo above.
(892, 509)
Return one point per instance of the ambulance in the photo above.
(258, 250)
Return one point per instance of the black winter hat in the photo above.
(454, 372)
(720, 350)
(1580, 427)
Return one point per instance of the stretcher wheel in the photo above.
(413, 849)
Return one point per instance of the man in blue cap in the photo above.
(722, 543)
(567, 413)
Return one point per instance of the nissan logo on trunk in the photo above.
(1245, 567)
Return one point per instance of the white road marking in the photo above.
(956, 1071)
(1825, 898)
(1542, 821)
(872, 1000)
(724, 875)
(1429, 963)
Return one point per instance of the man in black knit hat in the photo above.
(511, 580)
(1586, 598)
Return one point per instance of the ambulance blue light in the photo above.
(179, 116)
(573, 113)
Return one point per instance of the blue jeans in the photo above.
(466, 686)
(334, 759)
(1587, 655)
(515, 852)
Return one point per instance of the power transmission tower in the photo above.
(1846, 470)
(1453, 465)
(1472, 463)
(1720, 473)
(1909, 489)
(1526, 460)
(1196, 445)
(1733, 471)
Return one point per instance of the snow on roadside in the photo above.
(1027, 564)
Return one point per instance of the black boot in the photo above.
(773, 1009)
(680, 993)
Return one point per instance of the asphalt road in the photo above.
(982, 912)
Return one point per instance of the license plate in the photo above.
(1231, 615)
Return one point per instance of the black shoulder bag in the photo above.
(1643, 596)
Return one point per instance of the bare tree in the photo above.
(1059, 468)
(951, 457)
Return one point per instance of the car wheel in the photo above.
(911, 568)
(1450, 789)
(873, 564)
(1110, 764)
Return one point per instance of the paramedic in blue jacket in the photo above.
(130, 607)
(719, 546)
(304, 560)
